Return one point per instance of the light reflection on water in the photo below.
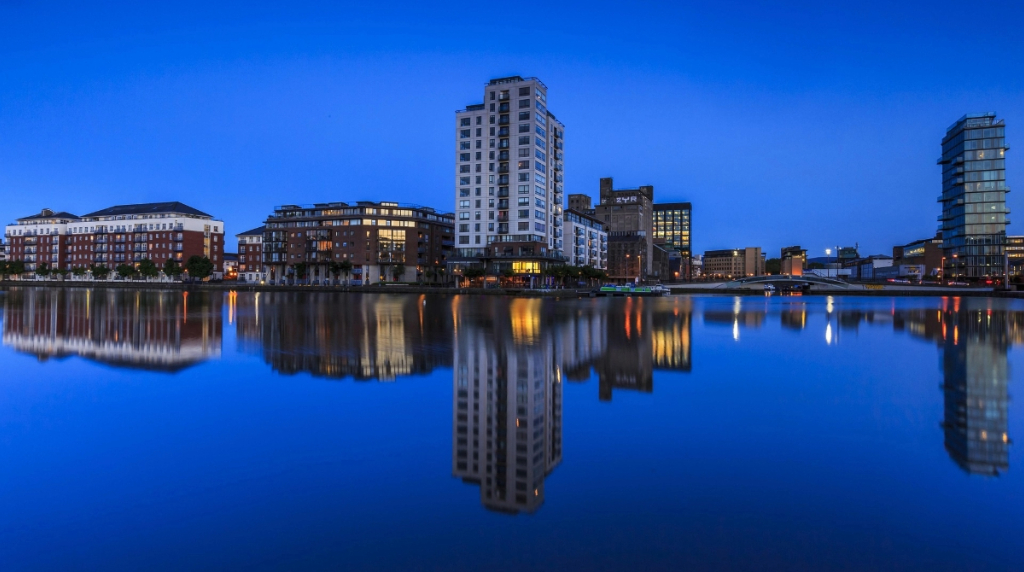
(513, 361)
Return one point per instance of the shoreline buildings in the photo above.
(250, 255)
(122, 234)
(973, 219)
(384, 242)
(734, 263)
(508, 180)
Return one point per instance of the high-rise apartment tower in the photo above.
(508, 179)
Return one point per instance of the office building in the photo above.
(628, 215)
(384, 242)
(974, 213)
(672, 232)
(250, 255)
(586, 241)
(122, 234)
(925, 253)
(792, 261)
(508, 180)
(1015, 255)
(734, 263)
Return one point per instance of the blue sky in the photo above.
(808, 123)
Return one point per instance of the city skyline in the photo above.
(831, 113)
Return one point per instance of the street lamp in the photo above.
(828, 254)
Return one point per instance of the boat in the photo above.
(629, 290)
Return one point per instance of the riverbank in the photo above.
(674, 289)
(245, 287)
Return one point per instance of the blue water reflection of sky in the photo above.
(776, 450)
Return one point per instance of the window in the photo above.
(524, 226)
(524, 164)
(524, 140)
(464, 145)
(540, 143)
(540, 155)
(463, 240)
(524, 91)
(464, 122)
(479, 132)
(524, 116)
(524, 152)
(464, 216)
(478, 200)
(464, 192)
(464, 169)
(479, 119)
(538, 214)
(464, 134)
(523, 103)
(478, 143)
(524, 177)
(524, 127)
(463, 156)
(524, 213)
(524, 201)
(464, 227)
(541, 131)
(463, 180)
(524, 189)
(463, 204)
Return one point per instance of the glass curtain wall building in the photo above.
(974, 213)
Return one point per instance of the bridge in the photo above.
(791, 281)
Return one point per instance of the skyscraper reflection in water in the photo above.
(974, 336)
(507, 404)
(975, 386)
(147, 329)
(510, 363)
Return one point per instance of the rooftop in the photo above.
(48, 214)
(258, 231)
(149, 208)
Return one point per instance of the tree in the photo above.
(62, 272)
(16, 268)
(300, 270)
(198, 267)
(4, 269)
(148, 269)
(773, 266)
(78, 271)
(124, 270)
(473, 273)
(172, 268)
(43, 270)
(101, 272)
(335, 268)
(440, 274)
(345, 266)
(397, 271)
(430, 273)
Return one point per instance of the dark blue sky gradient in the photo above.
(811, 123)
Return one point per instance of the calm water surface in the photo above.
(163, 431)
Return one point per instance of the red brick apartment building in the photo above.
(123, 234)
(250, 255)
(379, 239)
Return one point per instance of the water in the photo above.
(163, 431)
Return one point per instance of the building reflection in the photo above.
(156, 330)
(511, 359)
(507, 402)
(974, 336)
(338, 335)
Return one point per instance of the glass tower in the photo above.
(973, 221)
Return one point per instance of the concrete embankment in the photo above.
(243, 287)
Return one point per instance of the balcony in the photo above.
(503, 218)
